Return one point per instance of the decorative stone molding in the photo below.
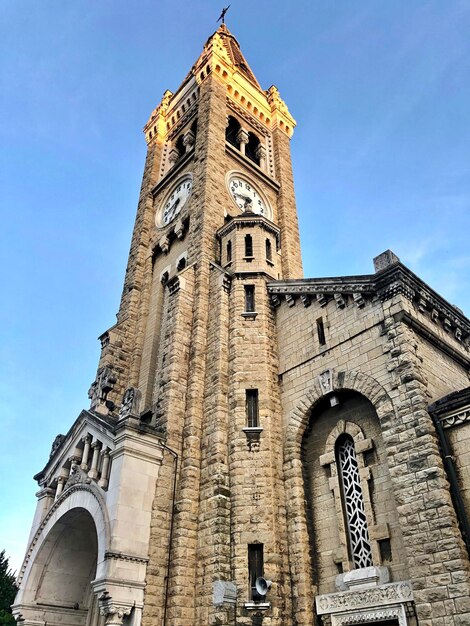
(76, 477)
(393, 593)
(456, 419)
(395, 279)
(125, 557)
(377, 615)
(248, 220)
(113, 612)
(253, 434)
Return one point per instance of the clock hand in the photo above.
(172, 209)
(246, 199)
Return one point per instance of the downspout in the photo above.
(449, 466)
(170, 541)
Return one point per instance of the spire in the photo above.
(236, 56)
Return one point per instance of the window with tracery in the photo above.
(353, 502)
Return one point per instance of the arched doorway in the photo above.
(58, 589)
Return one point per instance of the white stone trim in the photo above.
(81, 496)
(368, 605)
(372, 615)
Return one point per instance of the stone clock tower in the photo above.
(260, 448)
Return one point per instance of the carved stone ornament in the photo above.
(326, 382)
(76, 477)
(56, 444)
(456, 418)
(224, 592)
(113, 612)
(393, 593)
(103, 384)
(253, 434)
(372, 616)
(130, 403)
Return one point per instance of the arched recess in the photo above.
(65, 555)
(299, 546)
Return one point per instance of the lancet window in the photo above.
(353, 502)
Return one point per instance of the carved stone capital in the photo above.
(173, 156)
(261, 152)
(242, 136)
(113, 612)
(189, 139)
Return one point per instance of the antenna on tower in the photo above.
(222, 15)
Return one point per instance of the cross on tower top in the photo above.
(222, 15)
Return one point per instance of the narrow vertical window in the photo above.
(321, 332)
(269, 252)
(248, 245)
(255, 569)
(251, 407)
(353, 503)
(229, 251)
(249, 298)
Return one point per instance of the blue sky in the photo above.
(381, 95)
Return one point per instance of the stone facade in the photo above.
(260, 448)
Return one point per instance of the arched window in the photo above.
(353, 502)
(231, 132)
(251, 148)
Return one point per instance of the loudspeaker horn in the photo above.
(262, 585)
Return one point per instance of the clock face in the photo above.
(174, 201)
(246, 196)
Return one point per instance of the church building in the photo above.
(260, 448)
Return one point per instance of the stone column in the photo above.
(60, 485)
(86, 452)
(242, 138)
(93, 473)
(261, 155)
(103, 481)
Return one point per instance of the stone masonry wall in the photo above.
(256, 488)
(170, 409)
(328, 543)
(371, 351)
(459, 440)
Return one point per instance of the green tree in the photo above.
(8, 591)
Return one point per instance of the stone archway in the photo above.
(58, 587)
(300, 558)
(66, 553)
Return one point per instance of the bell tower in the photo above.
(190, 368)
(195, 332)
(260, 449)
